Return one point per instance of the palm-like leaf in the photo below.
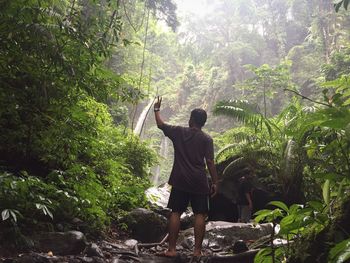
(246, 113)
(241, 110)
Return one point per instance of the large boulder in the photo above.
(61, 243)
(158, 196)
(146, 225)
(158, 200)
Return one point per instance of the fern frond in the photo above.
(240, 110)
(234, 165)
(226, 149)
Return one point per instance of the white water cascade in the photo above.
(142, 118)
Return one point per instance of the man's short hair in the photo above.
(199, 116)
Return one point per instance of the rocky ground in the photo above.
(224, 242)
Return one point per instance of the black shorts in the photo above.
(179, 200)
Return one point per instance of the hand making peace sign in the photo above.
(157, 103)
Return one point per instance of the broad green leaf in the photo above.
(294, 208)
(318, 206)
(264, 256)
(261, 215)
(263, 211)
(340, 192)
(328, 176)
(339, 123)
(279, 204)
(340, 252)
(287, 224)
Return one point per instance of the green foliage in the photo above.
(340, 252)
(303, 147)
(65, 156)
(268, 84)
(294, 222)
(268, 145)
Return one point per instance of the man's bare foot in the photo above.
(167, 253)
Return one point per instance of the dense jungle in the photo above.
(79, 147)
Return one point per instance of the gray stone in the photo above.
(131, 243)
(60, 243)
(94, 251)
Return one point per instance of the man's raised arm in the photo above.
(157, 105)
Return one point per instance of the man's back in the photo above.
(191, 147)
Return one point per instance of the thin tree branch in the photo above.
(136, 29)
(304, 97)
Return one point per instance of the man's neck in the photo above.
(195, 127)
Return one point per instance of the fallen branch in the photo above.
(149, 245)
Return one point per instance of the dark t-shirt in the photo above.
(191, 147)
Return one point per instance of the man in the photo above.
(245, 203)
(192, 149)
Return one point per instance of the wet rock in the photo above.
(186, 220)
(146, 226)
(225, 234)
(214, 247)
(94, 251)
(61, 243)
(239, 247)
(131, 243)
(158, 196)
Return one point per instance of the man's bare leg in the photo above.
(199, 231)
(174, 228)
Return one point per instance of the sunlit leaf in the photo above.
(326, 192)
(13, 214)
(279, 204)
(5, 214)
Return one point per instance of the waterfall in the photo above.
(142, 118)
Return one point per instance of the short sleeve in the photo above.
(170, 130)
(209, 150)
